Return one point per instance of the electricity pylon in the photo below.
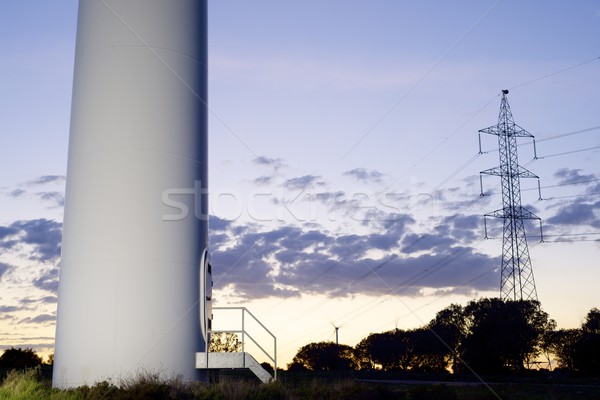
(516, 282)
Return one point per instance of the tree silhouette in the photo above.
(19, 358)
(378, 350)
(450, 328)
(430, 352)
(488, 335)
(362, 354)
(391, 350)
(562, 344)
(586, 351)
(324, 356)
(268, 367)
(592, 321)
(503, 334)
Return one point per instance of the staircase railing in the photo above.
(244, 334)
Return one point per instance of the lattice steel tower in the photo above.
(516, 272)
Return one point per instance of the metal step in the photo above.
(232, 360)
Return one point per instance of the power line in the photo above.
(555, 73)
(452, 175)
(571, 196)
(571, 234)
(479, 276)
(423, 274)
(561, 135)
(566, 184)
(423, 201)
(438, 298)
(569, 134)
(464, 166)
(573, 241)
(554, 186)
(569, 152)
(412, 281)
(404, 249)
(415, 278)
(422, 78)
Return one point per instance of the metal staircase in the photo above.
(240, 360)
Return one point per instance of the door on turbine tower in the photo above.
(206, 284)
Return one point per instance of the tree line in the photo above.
(488, 335)
(18, 358)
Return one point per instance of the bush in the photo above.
(100, 391)
(19, 359)
(23, 385)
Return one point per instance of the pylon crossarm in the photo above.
(520, 132)
(492, 130)
(497, 171)
(501, 213)
(525, 173)
(523, 213)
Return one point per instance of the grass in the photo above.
(29, 384)
(22, 385)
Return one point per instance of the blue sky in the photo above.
(342, 134)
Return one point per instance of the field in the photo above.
(31, 384)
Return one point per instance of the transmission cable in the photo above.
(555, 73)
(569, 152)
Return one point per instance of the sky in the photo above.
(344, 159)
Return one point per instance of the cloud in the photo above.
(577, 213)
(6, 231)
(255, 262)
(263, 180)
(432, 242)
(593, 190)
(17, 193)
(39, 319)
(217, 224)
(48, 280)
(44, 235)
(466, 228)
(275, 163)
(4, 268)
(16, 336)
(44, 300)
(42, 180)
(362, 175)
(57, 197)
(8, 309)
(303, 182)
(568, 176)
(27, 345)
